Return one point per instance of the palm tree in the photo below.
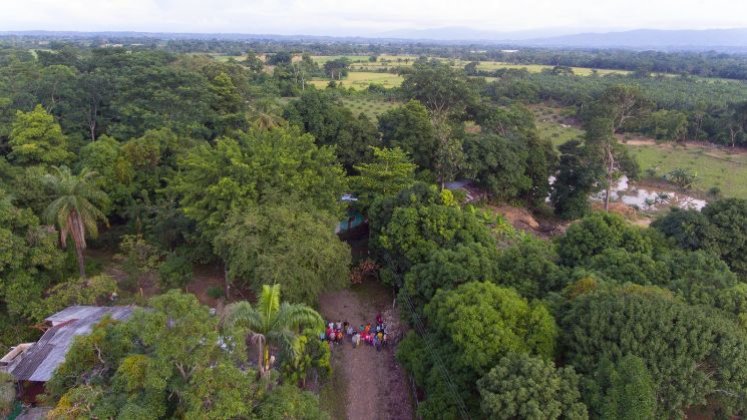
(265, 114)
(74, 208)
(272, 323)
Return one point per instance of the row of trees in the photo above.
(704, 64)
(677, 109)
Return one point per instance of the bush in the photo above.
(215, 292)
(175, 272)
(138, 257)
(683, 178)
(7, 393)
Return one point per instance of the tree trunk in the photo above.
(607, 197)
(81, 261)
(93, 131)
(610, 170)
(227, 283)
(93, 110)
(260, 357)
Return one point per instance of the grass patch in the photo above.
(333, 395)
(371, 107)
(361, 61)
(536, 68)
(361, 64)
(551, 127)
(360, 80)
(714, 168)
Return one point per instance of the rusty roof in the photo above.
(39, 362)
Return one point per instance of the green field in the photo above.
(225, 58)
(371, 107)
(553, 125)
(357, 61)
(536, 68)
(360, 63)
(321, 59)
(360, 80)
(715, 167)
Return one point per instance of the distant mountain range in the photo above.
(656, 39)
(638, 39)
(650, 38)
(458, 33)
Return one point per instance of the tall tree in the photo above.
(409, 127)
(471, 328)
(578, 173)
(445, 92)
(36, 138)
(272, 323)
(30, 262)
(283, 244)
(390, 172)
(337, 68)
(631, 394)
(614, 158)
(332, 124)
(528, 387)
(619, 103)
(645, 322)
(261, 166)
(75, 208)
(449, 154)
(729, 220)
(498, 165)
(438, 86)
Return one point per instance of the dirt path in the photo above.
(376, 385)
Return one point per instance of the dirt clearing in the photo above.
(376, 386)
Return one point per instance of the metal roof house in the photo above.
(36, 362)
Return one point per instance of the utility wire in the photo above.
(420, 328)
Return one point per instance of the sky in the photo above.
(367, 17)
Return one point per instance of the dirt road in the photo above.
(376, 385)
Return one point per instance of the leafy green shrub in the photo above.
(138, 256)
(7, 393)
(175, 272)
(215, 292)
(682, 178)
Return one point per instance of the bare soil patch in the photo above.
(522, 219)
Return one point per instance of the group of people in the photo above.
(336, 332)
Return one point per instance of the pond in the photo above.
(649, 199)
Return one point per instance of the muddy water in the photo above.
(646, 199)
(649, 199)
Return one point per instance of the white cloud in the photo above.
(360, 17)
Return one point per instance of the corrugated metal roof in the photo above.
(40, 361)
